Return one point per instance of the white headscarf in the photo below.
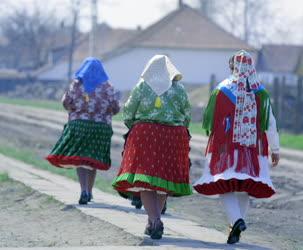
(159, 73)
(244, 127)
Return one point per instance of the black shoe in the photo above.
(164, 208)
(90, 197)
(148, 228)
(136, 201)
(234, 235)
(157, 230)
(83, 198)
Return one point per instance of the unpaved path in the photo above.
(30, 219)
(279, 219)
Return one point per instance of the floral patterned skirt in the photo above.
(156, 157)
(83, 143)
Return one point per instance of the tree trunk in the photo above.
(72, 44)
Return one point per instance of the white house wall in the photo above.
(195, 65)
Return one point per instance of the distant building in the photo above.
(108, 39)
(10, 78)
(197, 46)
(280, 61)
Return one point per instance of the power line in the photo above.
(94, 22)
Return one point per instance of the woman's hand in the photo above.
(275, 157)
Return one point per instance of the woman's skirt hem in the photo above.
(254, 188)
(133, 183)
(62, 161)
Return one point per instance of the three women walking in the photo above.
(155, 163)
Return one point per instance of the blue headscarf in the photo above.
(92, 74)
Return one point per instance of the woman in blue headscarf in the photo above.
(91, 101)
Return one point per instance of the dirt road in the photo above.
(30, 219)
(279, 219)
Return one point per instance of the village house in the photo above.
(108, 39)
(10, 78)
(196, 45)
(284, 62)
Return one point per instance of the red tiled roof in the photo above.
(184, 28)
(188, 28)
(107, 39)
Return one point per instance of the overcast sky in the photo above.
(131, 13)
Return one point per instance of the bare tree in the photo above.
(228, 14)
(29, 37)
(258, 17)
(247, 19)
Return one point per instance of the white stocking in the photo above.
(243, 200)
(232, 208)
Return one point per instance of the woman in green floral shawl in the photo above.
(156, 157)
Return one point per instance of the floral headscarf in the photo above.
(245, 77)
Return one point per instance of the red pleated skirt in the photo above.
(156, 157)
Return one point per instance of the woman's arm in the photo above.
(272, 134)
(209, 112)
(115, 103)
(113, 97)
(131, 106)
(186, 109)
(68, 99)
(273, 138)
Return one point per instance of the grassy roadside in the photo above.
(286, 139)
(43, 104)
(29, 157)
(3, 177)
(53, 105)
(291, 141)
(196, 128)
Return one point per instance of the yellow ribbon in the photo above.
(158, 102)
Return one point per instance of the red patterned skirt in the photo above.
(156, 157)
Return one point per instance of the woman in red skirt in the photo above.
(156, 156)
(242, 128)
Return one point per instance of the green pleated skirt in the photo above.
(83, 143)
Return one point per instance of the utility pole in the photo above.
(180, 4)
(246, 21)
(206, 7)
(94, 21)
(298, 120)
(75, 12)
